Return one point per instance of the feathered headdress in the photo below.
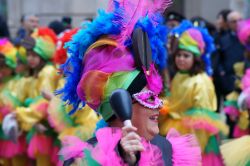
(9, 52)
(100, 57)
(196, 40)
(60, 55)
(45, 42)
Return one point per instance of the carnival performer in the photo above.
(32, 116)
(12, 150)
(240, 155)
(192, 103)
(82, 123)
(232, 109)
(110, 54)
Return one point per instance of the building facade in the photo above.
(50, 10)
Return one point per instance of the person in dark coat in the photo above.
(222, 30)
(28, 22)
(230, 52)
(4, 30)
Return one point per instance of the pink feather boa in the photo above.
(73, 147)
(186, 150)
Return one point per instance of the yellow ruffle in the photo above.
(236, 152)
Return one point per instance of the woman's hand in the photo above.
(131, 144)
(47, 94)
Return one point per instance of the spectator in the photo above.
(4, 30)
(173, 19)
(28, 24)
(222, 29)
(221, 22)
(67, 22)
(201, 22)
(231, 52)
(57, 27)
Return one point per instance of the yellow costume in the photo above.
(237, 152)
(191, 108)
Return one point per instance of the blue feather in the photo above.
(105, 23)
(158, 38)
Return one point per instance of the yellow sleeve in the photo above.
(84, 124)
(29, 116)
(21, 89)
(204, 94)
(243, 122)
(48, 78)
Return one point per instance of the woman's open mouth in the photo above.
(154, 118)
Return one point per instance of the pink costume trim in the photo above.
(232, 111)
(246, 80)
(73, 148)
(200, 124)
(152, 155)
(186, 150)
(154, 80)
(212, 159)
(9, 149)
(104, 152)
(148, 99)
(238, 132)
(40, 144)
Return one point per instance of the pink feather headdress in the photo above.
(136, 9)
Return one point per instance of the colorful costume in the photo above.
(12, 151)
(100, 62)
(81, 124)
(192, 101)
(232, 108)
(43, 145)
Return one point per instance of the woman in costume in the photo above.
(32, 116)
(82, 123)
(240, 155)
(192, 102)
(105, 57)
(237, 151)
(12, 151)
(231, 108)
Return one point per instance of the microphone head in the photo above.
(121, 103)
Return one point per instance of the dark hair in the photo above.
(172, 15)
(57, 27)
(198, 66)
(224, 13)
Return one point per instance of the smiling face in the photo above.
(146, 121)
(33, 60)
(184, 60)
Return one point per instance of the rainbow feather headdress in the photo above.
(9, 52)
(196, 40)
(45, 42)
(60, 56)
(100, 56)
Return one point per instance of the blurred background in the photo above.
(79, 10)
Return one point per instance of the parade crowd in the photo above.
(190, 91)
